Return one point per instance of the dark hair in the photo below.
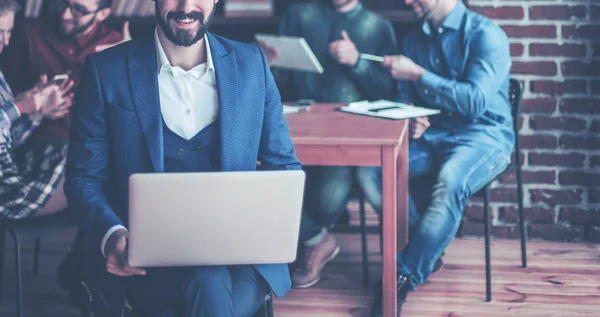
(9, 6)
(102, 4)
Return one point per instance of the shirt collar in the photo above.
(197, 71)
(350, 14)
(452, 20)
(354, 12)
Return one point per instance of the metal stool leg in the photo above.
(363, 236)
(522, 219)
(488, 271)
(269, 306)
(18, 270)
(36, 255)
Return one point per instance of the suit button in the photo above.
(180, 151)
(198, 149)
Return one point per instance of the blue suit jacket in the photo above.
(116, 130)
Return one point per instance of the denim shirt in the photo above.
(467, 61)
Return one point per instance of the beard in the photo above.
(425, 12)
(184, 37)
(77, 28)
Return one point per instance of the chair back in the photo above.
(515, 96)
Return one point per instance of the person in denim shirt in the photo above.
(457, 62)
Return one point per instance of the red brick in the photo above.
(551, 159)
(595, 86)
(503, 194)
(476, 229)
(539, 105)
(580, 68)
(557, 12)
(533, 31)
(505, 12)
(586, 31)
(594, 196)
(553, 197)
(595, 161)
(521, 122)
(593, 234)
(580, 105)
(557, 232)
(558, 87)
(475, 213)
(580, 216)
(555, 50)
(535, 68)
(579, 178)
(533, 214)
(595, 127)
(517, 49)
(538, 141)
(579, 143)
(545, 123)
(530, 177)
(595, 12)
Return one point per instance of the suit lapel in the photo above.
(143, 79)
(227, 88)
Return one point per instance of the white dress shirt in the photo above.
(188, 99)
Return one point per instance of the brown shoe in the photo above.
(308, 270)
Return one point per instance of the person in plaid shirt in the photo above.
(31, 174)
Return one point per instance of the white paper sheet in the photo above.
(388, 109)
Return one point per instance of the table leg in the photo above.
(390, 200)
(402, 192)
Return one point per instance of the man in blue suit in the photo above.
(182, 100)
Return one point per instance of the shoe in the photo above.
(438, 264)
(403, 288)
(307, 271)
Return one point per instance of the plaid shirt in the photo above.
(29, 173)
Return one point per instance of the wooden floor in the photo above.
(562, 280)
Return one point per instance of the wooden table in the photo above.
(325, 136)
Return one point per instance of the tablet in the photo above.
(294, 53)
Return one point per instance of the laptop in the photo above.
(220, 218)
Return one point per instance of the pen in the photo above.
(384, 108)
(374, 58)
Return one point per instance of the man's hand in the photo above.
(126, 37)
(344, 50)
(270, 51)
(418, 126)
(57, 105)
(116, 255)
(32, 100)
(403, 68)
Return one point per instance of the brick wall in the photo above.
(555, 46)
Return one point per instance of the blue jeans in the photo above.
(443, 174)
(326, 194)
(211, 291)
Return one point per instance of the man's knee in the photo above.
(209, 281)
(369, 180)
(449, 194)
